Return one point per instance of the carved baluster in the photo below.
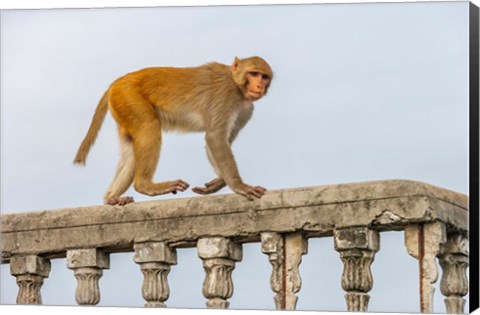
(219, 256)
(87, 265)
(295, 247)
(454, 261)
(273, 246)
(155, 259)
(285, 254)
(30, 270)
(357, 248)
(423, 242)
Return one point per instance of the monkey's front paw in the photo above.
(251, 192)
(210, 187)
(178, 185)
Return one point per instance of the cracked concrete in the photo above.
(385, 205)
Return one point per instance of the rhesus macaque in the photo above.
(214, 98)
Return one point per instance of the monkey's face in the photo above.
(257, 85)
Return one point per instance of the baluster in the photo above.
(273, 246)
(454, 261)
(285, 255)
(423, 242)
(357, 247)
(88, 265)
(219, 256)
(155, 259)
(29, 270)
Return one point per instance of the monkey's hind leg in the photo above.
(124, 174)
(147, 142)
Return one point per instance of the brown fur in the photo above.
(214, 98)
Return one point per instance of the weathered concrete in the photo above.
(454, 262)
(357, 247)
(435, 222)
(155, 259)
(273, 245)
(88, 265)
(384, 205)
(285, 253)
(30, 271)
(219, 256)
(423, 242)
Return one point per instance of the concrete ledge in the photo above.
(317, 211)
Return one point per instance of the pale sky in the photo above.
(361, 92)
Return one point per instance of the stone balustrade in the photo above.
(434, 221)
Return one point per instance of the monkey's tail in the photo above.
(93, 130)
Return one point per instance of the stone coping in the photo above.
(317, 211)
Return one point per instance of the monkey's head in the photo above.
(253, 76)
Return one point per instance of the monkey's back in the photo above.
(162, 85)
(182, 97)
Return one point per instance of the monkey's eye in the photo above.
(265, 77)
(254, 73)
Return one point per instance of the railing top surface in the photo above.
(195, 206)
(387, 204)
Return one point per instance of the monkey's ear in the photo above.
(235, 64)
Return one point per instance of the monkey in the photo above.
(214, 98)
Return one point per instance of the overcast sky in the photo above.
(361, 92)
